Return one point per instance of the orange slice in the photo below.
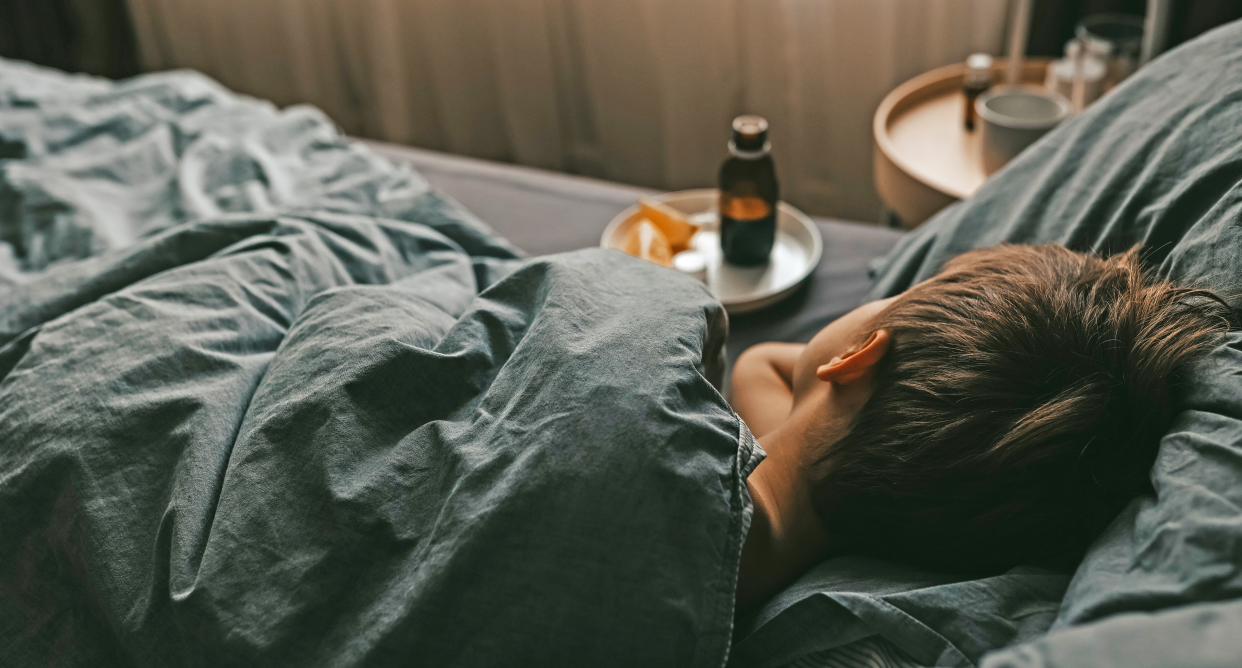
(646, 241)
(673, 223)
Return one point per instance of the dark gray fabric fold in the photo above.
(266, 399)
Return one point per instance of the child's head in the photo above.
(1014, 410)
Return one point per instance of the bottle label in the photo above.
(747, 229)
(744, 208)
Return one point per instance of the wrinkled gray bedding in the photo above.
(293, 408)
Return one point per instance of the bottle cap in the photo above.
(978, 69)
(750, 134)
(979, 61)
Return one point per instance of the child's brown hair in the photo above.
(1019, 408)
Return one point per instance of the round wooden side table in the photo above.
(924, 157)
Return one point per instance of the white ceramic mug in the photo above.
(1013, 118)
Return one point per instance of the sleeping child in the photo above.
(1000, 413)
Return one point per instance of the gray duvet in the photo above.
(275, 402)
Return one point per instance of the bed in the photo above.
(271, 396)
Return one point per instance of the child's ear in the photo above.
(857, 365)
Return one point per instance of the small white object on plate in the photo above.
(795, 254)
(691, 263)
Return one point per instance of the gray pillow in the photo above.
(1157, 162)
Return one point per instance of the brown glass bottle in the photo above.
(978, 79)
(748, 195)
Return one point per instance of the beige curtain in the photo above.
(638, 91)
